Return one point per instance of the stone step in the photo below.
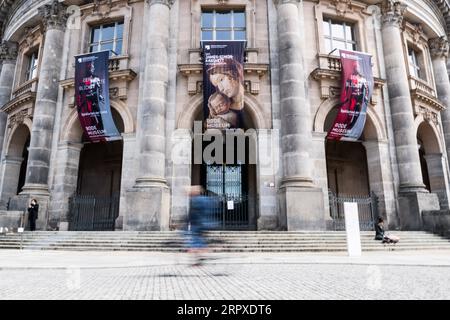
(266, 249)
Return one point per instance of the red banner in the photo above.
(357, 87)
(92, 97)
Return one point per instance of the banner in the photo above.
(357, 87)
(92, 97)
(223, 84)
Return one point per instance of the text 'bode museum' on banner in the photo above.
(357, 87)
(223, 84)
(92, 97)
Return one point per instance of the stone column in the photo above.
(301, 201)
(181, 155)
(9, 178)
(438, 177)
(54, 17)
(65, 184)
(439, 52)
(8, 56)
(149, 199)
(413, 197)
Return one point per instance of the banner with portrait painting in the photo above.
(356, 91)
(223, 84)
(92, 97)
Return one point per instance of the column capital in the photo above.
(54, 15)
(8, 51)
(168, 3)
(439, 47)
(392, 12)
(280, 2)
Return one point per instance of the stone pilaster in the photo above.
(8, 56)
(438, 177)
(301, 201)
(54, 17)
(149, 199)
(439, 48)
(410, 174)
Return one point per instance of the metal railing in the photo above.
(367, 210)
(93, 213)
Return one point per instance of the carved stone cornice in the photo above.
(8, 51)
(168, 3)
(439, 47)
(54, 15)
(342, 6)
(392, 12)
(280, 2)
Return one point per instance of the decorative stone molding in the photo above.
(342, 6)
(222, 1)
(8, 51)
(19, 117)
(54, 15)
(417, 32)
(392, 12)
(168, 3)
(280, 2)
(428, 114)
(439, 47)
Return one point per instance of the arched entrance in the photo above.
(15, 163)
(348, 176)
(231, 183)
(346, 164)
(95, 205)
(432, 162)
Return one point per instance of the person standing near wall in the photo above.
(33, 210)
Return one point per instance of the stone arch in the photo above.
(429, 134)
(74, 133)
(17, 138)
(194, 105)
(373, 130)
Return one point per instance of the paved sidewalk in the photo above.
(147, 275)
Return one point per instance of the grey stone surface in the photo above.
(94, 275)
(412, 204)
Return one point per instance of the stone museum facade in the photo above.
(292, 82)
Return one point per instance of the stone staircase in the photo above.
(220, 241)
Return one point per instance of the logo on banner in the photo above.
(357, 87)
(223, 84)
(92, 97)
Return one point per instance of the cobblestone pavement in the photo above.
(260, 277)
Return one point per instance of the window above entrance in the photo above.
(107, 37)
(223, 25)
(339, 35)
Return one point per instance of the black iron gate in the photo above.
(93, 213)
(367, 210)
(228, 212)
(229, 205)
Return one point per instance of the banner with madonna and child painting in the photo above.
(92, 97)
(223, 84)
(356, 91)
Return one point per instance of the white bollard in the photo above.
(352, 229)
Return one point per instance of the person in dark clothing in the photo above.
(33, 209)
(381, 235)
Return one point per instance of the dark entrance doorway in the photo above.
(230, 184)
(95, 206)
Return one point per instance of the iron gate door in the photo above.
(229, 204)
(367, 210)
(93, 213)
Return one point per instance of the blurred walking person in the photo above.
(199, 206)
